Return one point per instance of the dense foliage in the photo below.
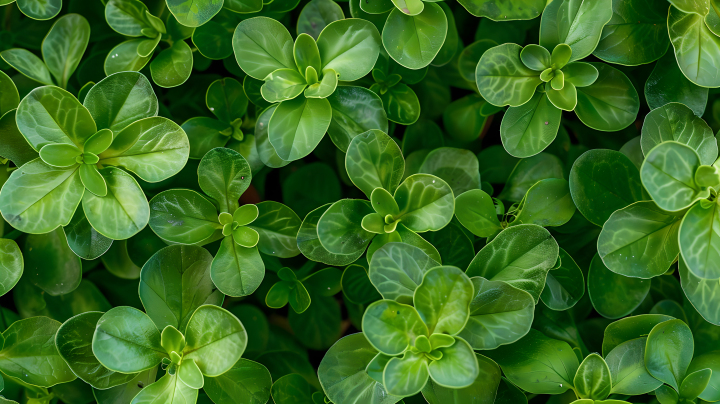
(516, 201)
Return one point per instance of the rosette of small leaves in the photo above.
(188, 217)
(84, 150)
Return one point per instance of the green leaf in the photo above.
(343, 374)
(537, 364)
(245, 379)
(14, 146)
(64, 46)
(292, 388)
(698, 238)
(414, 41)
(374, 160)
(205, 134)
(503, 11)
(668, 352)
(283, 84)
(406, 375)
(123, 212)
(38, 198)
(694, 384)
(92, 180)
(635, 34)
(278, 226)
(426, 203)
(458, 167)
(547, 203)
(53, 115)
(577, 24)
(325, 87)
(125, 57)
(169, 389)
(640, 240)
(224, 175)
(189, 373)
(339, 229)
(127, 341)
(702, 293)
(176, 281)
(356, 285)
(564, 286)
(526, 173)
(392, 327)
(667, 83)
(120, 99)
(128, 17)
(397, 269)
(173, 65)
(154, 148)
(528, 129)
(28, 65)
(458, 367)
(355, 110)
(297, 126)
(609, 104)
(521, 255)
(262, 45)
(443, 300)
(319, 326)
(40, 10)
(124, 393)
(500, 314)
(476, 211)
(74, 344)
(183, 216)
(194, 13)
(11, 265)
(697, 49)
(629, 328)
(349, 47)
(608, 179)
(613, 295)
(236, 270)
(668, 174)
(52, 266)
(503, 79)
(627, 368)
(226, 99)
(707, 361)
(592, 379)
(676, 122)
(483, 387)
(215, 340)
(29, 353)
(309, 243)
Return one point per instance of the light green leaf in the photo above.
(53, 115)
(668, 352)
(283, 84)
(443, 300)
(316, 15)
(528, 129)
(339, 229)
(224, 175)
(236, 270)
(28, 65)
(350, 47)
(627, 368)
(406, 375)
(40, 10)
(9, 96)
(500, 314)
(374, 160)
(392, 327)
(592, 379)
(547, 203)
(38, 198)
(355, 110)
(476, 211)
(125, 57)
(128, 17)
(668, 174)
(309, 244)
(675, 121)
(708, 361)
(414, 41)
(578, 24)
(194, 13)
(183, 216)
(699, 240)
(458, 367)
(11, 265)
(173, 65)
(640, 240)
(483, 388)
(426, 203)
(215, 340)
(121, 99)
(123, 212)
(169, 389)
(396, 270)
(503, 79)
(127, 341)
(29, 353)
(124, 393)
(64, 46)
(245, 379)
(263, 45)
(702, 293)
(458, 167)
(297, 126)
(610, 103)
(697, 49)
(521, 255)
(278, 226)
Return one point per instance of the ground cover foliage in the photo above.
(359, 202)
